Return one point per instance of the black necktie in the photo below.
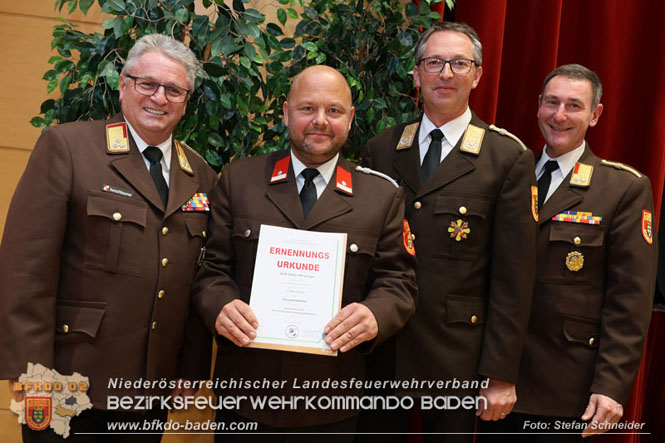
(308, 191)
(154, 155)
(545, 180)
(433, 156)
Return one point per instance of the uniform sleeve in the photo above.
(194, 359)
(626, 311)
(30, 256)
(214, 285)
(513, 268)
(366, 155)
(393, 293)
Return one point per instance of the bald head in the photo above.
(321, 73)
(318, 113)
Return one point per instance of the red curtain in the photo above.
(623, 42)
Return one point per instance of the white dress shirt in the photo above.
(566, 163)
(452, 131)
(165, 147)
(326, 171)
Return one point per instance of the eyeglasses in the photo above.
(435, 65)
(145, 86)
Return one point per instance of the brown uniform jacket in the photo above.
(475, 293)
(379, 273)
(81, 267)
(587, 327)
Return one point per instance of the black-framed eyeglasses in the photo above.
(145, 86)
(436, 65)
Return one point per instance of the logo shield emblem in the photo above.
(38, 412)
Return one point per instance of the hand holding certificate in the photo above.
(297, 288)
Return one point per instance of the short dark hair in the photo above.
(462, 28)
(581, 73)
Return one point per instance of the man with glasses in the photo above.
(471, 201)
(101, 244)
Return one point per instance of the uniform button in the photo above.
(165, 262)
(204, 234)
(577, 240)
(417, 205)
(248, 232)
(462, 210)
(474, 319)
(353, 247)
(160, 294)
(165, 230)
(65, 328)
(592, 341)
(154, 325)
(117, 216)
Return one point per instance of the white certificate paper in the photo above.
(297, 288)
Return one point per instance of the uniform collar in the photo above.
(452, 130)
(566, 161)
(165, 146)
(326, 170)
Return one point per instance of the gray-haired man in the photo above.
(101, 245)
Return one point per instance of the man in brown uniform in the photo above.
(101, 244)
(379, 288)
(596, 272)
(470, 199)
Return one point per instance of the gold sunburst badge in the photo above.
(459, 229)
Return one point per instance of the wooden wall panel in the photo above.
(26, 49)
(46, 9)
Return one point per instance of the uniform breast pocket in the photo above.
(460, 225)
(358, 276)
(115, 234)
(575, 253)
(197, 225)
(245, 242)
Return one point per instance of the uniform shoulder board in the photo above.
(618, 165)
(369, 171)
(507, 134)
(192, 150)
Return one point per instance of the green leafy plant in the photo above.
(248, 64)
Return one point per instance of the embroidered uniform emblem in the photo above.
(408, 238)
(534, 202)
(574, 261)
(459, 229)
(406, 140)
(581, 175)
(117, 141)
(280, 170)
(647, 231)
(473, 139)
(578, 217)
(198, 203)
(343, 181)
(182, 159)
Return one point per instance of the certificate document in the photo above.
(297, 288)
